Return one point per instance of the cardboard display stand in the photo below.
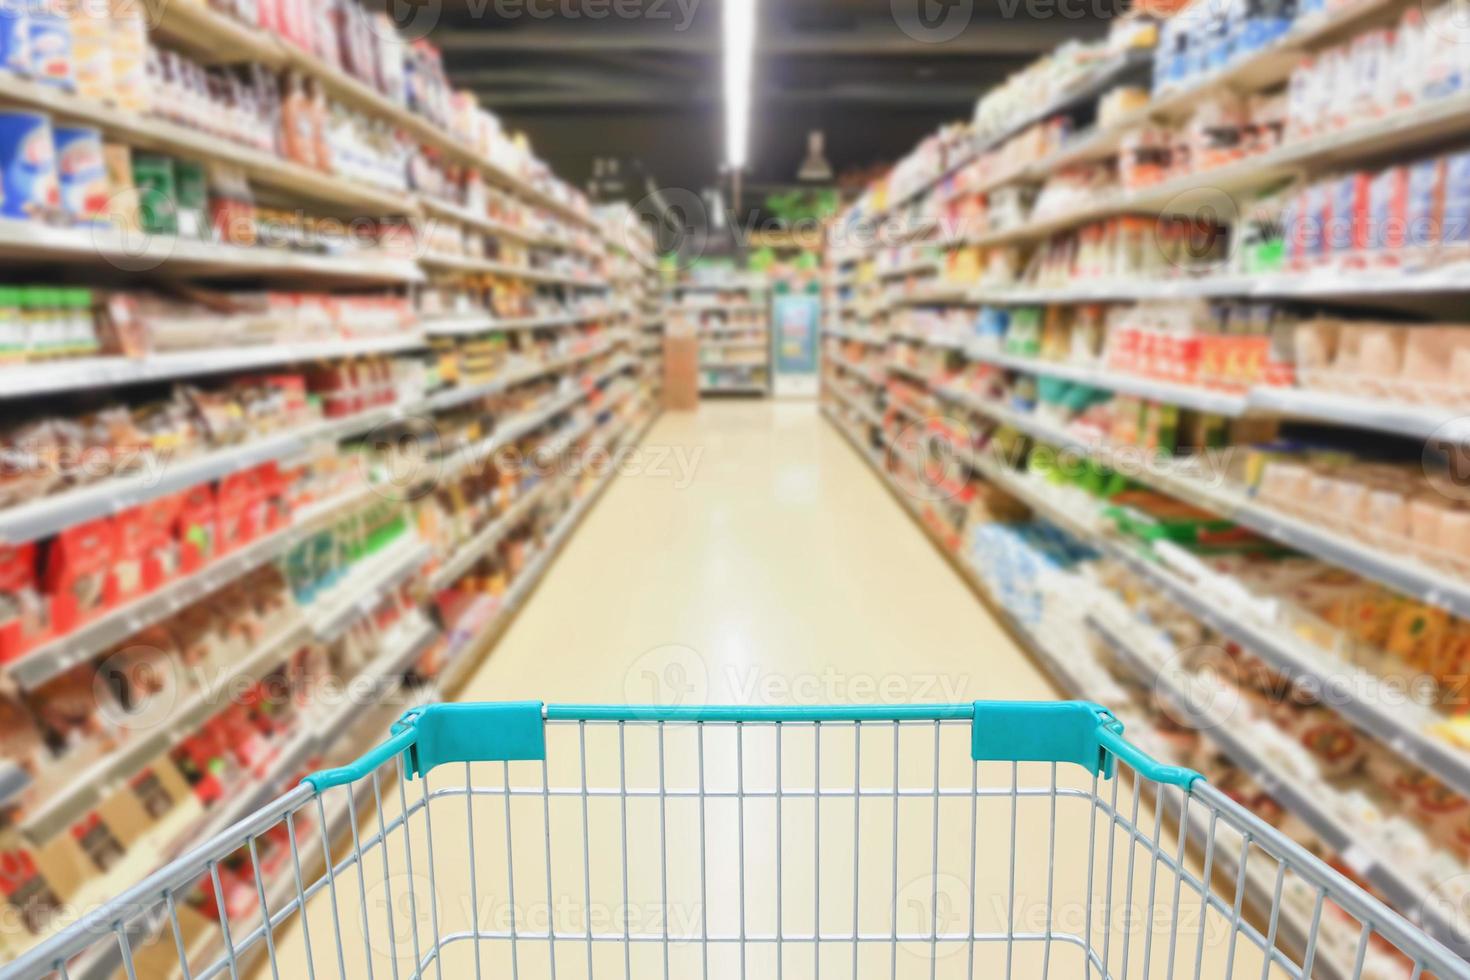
(681, 372)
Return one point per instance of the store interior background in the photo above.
(998, 367)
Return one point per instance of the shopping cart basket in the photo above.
(527, 840)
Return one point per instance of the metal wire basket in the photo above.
(528, 840)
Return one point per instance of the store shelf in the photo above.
(863, 372)
(726, 309)
(1380, 870)
(1327, 284)
(1294, 930)
(483, 542)
(88, 788)
(1178, 479)
(535, 569)
(751, 284)
(34, 242)
(934, 294)
(1408, 576)
(365, 585)
(46, 516)
(732, 345)
(1187, 396)
(1400, 131)
(871, 338)
(46, 662)
(51, 377)
(377, 679)
(218, 37)
(162, 135)
(459, 395)
(1349, 690)
(1415, 421)
(868, 414)
(471, 263)
(912, 374)
(475, 324)
(500, 229)
(506, 431)
(731, 388)
(1398, 721)
(1248, 72)
(918, 267)
(1419, 422)
(1083, 89)
(929, 340)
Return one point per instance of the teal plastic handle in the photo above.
(756, 714)
(1077, 732)
(324, 779)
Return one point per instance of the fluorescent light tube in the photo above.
(739, 54)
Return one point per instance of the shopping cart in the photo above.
(528, 840)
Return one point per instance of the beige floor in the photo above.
(783, 564)
(780, 572)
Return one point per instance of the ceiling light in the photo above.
(739, 53)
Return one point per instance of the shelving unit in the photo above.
(911, 346)
(510, 330)
(1062, 666)
(731, 315)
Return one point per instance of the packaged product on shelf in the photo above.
(127, 46)
(192, 199)
(231, 206)
(28, 165)
(158, 195)
(82, 174)
(15, 41)
(91, 34)
(49, 42)
(1203, 38)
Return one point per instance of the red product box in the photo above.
(132, 575)
(196, 528)
(30, 624)
(78, 577)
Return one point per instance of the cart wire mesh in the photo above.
(980, 840)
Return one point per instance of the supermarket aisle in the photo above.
(760, 562)
(777, 571)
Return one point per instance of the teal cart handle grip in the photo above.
(1077, 732)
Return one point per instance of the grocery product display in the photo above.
(1168, 359)
(1144, 387)
(318, 465)
(729, 311)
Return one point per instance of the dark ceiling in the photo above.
(640, 80)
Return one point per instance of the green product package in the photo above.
(82, 337)
(157, 193)
(192, 186)
(12, 322)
